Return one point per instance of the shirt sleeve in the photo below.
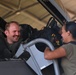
(68, 48)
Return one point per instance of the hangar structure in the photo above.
(32, 12)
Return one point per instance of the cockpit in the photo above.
(29, 58)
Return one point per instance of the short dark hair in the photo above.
(71, 26)
(8, 24)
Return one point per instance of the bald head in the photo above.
(12, 31)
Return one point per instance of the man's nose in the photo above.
(17, 33)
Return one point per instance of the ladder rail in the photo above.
(55, 63)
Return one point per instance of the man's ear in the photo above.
(6, 32)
